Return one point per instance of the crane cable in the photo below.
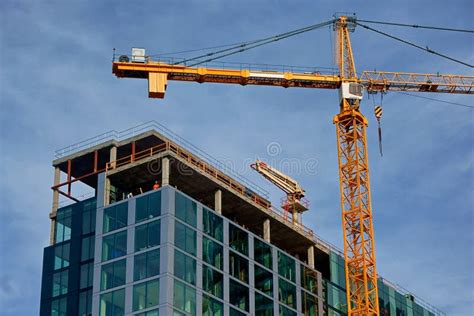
(418, 26)
(414, 45)
(252, 44)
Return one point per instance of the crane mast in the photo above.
(294, 192)
(357, 222)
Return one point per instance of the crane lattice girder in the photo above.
(373, 81)
(290, 186)
(359, 248)
(404, 81)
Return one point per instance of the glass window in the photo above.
(147, 235)
(88, 217)
(286, 267)
(61, 256)
(154, 312)
(263, 280)
(146, 265)
(309, 279)
(112, 275)
(60, 283)
(85, 303)
(286, 311)
(185, 209)
(212, 253)
(336, 296)
(146, 294)
(263, 306)
(87, 248)
(238, 239)
(212, 281)
(87, 275)
(263, 253)
(211, 307)
(112, 303)
(63, 224)
(184, 267)
(310, 304)
(114, 246)
(184, 298)
(148, 206)
(238, 267)
(115, 217)
(286, 293)
(239, 295)
(59, 307)
(185, 238)
(212, 224)
(234, 312)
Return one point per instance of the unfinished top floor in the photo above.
(142, 162)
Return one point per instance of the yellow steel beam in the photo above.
(415, 82)
(373, 81)
(357, 222)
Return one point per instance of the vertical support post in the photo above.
(218, 201)
(359, 243)
(96, 159)
(113, 164)
(113, 157)
(266, 230)
(69, 177)
(295, 217)
(311, 257)
(133, 151)
(54, 209)
(165, 171)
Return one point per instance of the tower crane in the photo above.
(294, 192)
(357, 223)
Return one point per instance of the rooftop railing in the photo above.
(113, 135)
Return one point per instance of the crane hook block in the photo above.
(378, 112)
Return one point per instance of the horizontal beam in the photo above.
(158, 73)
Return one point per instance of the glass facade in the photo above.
(163, 253)
(67, 279)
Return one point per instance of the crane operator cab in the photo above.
(351, 91)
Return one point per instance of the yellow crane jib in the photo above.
(355, 194)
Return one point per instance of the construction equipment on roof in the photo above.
(294, 202)
(358, 232)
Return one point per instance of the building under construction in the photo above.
(169, 231)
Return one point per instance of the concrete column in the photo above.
(266, 230)
(311, 256)
(106, 191)
(295, 217)
(57, 180)
(52, 231)
(113, 156)
(218, 201)
(165, 171)
(55, 206)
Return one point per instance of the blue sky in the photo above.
(56, 89)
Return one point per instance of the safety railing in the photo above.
(233, 65)
(417, 300)
(212, 172)
(169, 134)
(196, 162)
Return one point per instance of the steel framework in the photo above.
(359, 247)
